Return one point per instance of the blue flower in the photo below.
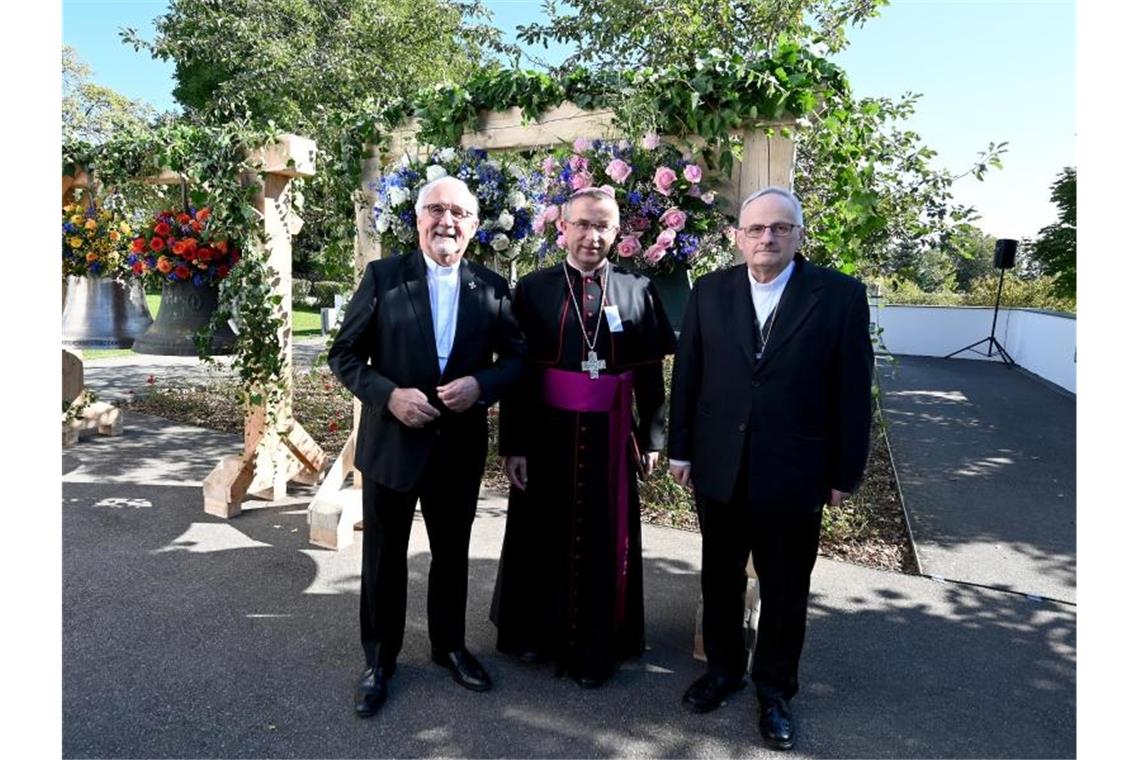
(199, 279)
(634, 198)
(484, 236)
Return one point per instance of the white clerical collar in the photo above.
(595, 271)
(778, 282)
(435, 269)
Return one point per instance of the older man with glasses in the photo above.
(428, 342)
(769, 420)
(570, 585)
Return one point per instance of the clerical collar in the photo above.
(435, 269)
(780, 280)
(595, 272)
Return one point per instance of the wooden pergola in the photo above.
(767, 160)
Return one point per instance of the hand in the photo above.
(837, 497)
(515, 469)
(649, 461)
(459, 395)
(410, 406)
(681, 474)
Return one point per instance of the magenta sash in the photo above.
(613, 395)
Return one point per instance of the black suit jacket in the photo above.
(386, 341)
(798, 421)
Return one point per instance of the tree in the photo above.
(1056, 246)
(316, 67)
(971, 251)
(91, 112)
(868, 186)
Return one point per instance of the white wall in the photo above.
(1042, 342)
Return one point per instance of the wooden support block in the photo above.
(70, 436)
(72, 376)
(335, 509)
(225, 487)
(291, 156)
(109, 421)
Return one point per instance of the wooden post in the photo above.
(273, 454)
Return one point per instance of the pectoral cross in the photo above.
(593, 364)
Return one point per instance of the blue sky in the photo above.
(989, 70)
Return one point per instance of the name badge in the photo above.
(613, 319)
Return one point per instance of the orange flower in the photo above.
(156, 244)
(222, 245)
(138, 245)
(183, 218)
(177, 248)
(202, 215)
(164, 265)
(162, 229)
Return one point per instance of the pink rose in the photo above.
(561, 241)
(549, 165)
(581, 145)
(694, 191)
(538, 224)
(578, 163)
(579, 180)
(639, 223)
(650, 141)
(550, 213)
(674, 219)
(666, 238)
(619, 170)
(654, 253)
(692, 172)
(663, 179)
(628, 246)
(708, 197)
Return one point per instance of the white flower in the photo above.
(493, 164)
(506, 220)
(516, 171)
(500, 242)
(447, 154)
(404, 161)
(383, 222)
(516, 200)
(434, 172)
(398, 195)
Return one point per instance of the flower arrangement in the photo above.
(94, 241)
(505, 189)
(177, 246)
(668, 219)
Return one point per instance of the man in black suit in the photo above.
(418, 347)
(769, 419)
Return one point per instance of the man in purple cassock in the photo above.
(589, 414)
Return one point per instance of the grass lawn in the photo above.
(306, 323)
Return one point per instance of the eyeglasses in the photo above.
(437, 210)
(779, 229)
(584, 227)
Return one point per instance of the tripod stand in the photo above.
(991, 342)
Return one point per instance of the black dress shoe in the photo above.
(776, 727)
(531, 657)
(589, 682)
(710, 691)
(465, 669)
(371, 691)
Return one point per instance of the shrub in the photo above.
(325, 292)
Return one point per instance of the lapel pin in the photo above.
(471, 285)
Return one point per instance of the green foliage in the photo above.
(1056, 247)
(636, 34)
(92, 113)
(325, 292)
(1017, 292)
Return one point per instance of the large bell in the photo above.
(103, 313)
(184, 310)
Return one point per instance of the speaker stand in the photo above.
(990, 341)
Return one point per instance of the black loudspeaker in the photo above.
(1004, 251)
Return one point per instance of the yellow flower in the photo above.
(124, 228)
(114, 235)
(76, 242)
(77, 219)
(90, 224)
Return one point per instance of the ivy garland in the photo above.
(710, 99)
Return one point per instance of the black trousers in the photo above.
(447, 502)
(783, 546)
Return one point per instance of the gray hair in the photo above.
(788, 195)
(427, 188)
(596, 193)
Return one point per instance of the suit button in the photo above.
(742, 427)
(755, 383)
